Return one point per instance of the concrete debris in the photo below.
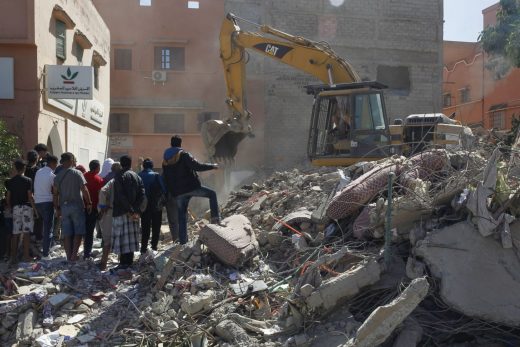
(415, 268)
(478, 199)
(344, 286)
(382, 322)
(233, 241)
(192, 304)
(233, 333)
(478, 276)
(26, 324)
(300, 259)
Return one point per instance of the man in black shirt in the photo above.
(20, 200)
(30, 172)
(182, 183)
(129, 197)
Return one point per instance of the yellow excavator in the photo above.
(348, 121)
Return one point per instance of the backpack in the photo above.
(156, 196)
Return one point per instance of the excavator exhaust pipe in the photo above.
(220, 140)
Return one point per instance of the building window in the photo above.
(206, 116)
(193, 4)
(79, 52)
(119, 123)
(169, 58)
(464, 95)
(123, 59)
(96, 76)
(145, 2)
(397, 78)
(498, 120)
(61, 40)
(168, 123)
(446, 100)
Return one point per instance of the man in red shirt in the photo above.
(94, 185)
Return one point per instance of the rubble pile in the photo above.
(401, 252)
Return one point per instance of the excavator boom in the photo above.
(221, 137)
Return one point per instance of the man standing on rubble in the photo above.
(129, 203)
(71, 198)
(182, 183)
(43, 183)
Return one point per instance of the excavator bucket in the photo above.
(221, 140)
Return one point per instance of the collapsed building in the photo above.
(401, 252)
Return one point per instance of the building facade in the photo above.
(166, 73)
(478, 94)
(398, 43)
(36, 34)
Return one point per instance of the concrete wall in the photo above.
(368, 33)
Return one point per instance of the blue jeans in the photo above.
(46, 212)
(182, 205)
(72, 219)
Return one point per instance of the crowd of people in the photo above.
(49, 200)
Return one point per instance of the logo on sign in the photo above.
(68, 79)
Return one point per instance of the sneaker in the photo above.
(47, 258)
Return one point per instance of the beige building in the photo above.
(36, 34)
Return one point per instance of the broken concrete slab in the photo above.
(232, 333)
(478, 276)
(344, 286)
(59, 299)
(384, 319)
(232, 241)
(76, 318)
(26, 322)
(192, 304)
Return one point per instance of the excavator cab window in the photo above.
(348, 125)
(370, 132)
(369, 112)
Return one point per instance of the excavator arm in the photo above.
(221, 137)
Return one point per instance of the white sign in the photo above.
(91, 110)
(69, 82)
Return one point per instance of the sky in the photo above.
(463, 19)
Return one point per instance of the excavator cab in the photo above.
(348, 124)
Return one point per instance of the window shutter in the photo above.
(178, 58)
(61, 42)
(157, 58)
(123, 59)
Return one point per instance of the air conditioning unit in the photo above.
(159, 76)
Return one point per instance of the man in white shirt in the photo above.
(43, 198)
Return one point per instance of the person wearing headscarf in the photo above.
(106, 168)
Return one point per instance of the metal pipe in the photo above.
(388, 224)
